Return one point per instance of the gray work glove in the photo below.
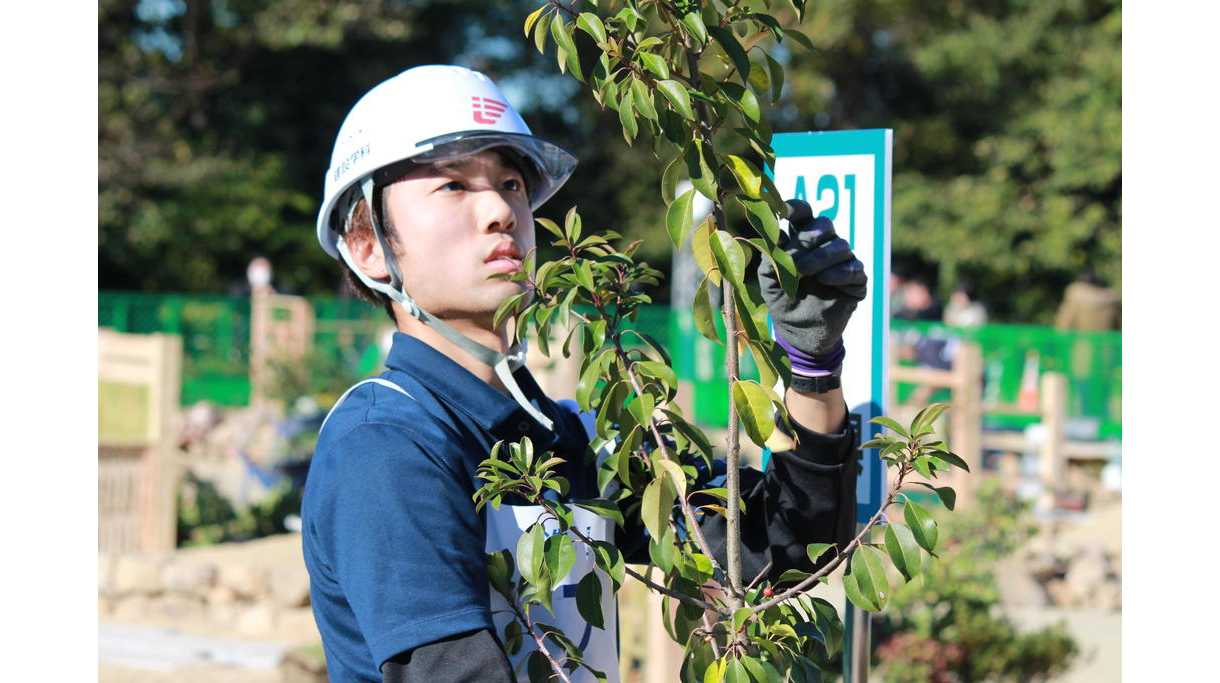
(831, 282)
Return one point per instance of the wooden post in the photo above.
(161, 529)
(139, 380)
(281, 326)
(966, 418)
(1054, 417)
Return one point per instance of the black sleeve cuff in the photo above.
(829, 450)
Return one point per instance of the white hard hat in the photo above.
(427, 114)
(431, 113)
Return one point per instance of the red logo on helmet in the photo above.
(487, 110)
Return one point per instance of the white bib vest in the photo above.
(504, 527)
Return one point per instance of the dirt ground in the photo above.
(108, 673)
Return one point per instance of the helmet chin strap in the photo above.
(502, 363)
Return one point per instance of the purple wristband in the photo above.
(807, 365)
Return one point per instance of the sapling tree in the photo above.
(689, 78)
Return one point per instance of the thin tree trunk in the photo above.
(733, 527)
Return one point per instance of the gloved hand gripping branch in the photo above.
(809, 326)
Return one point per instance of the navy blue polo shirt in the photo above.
(392, 542)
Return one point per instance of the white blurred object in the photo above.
(1112, 476)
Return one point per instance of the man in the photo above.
(431, 190)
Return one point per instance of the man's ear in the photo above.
(365, 250)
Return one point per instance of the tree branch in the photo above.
(834, 564)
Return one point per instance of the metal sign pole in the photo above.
(857, 644)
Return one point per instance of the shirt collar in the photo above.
(481, 403)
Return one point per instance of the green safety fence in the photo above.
(215, 331)
(1091, 361)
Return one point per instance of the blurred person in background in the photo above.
(963, 310)
(1089, 305)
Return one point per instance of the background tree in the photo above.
(216, 119)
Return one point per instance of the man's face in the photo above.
(458, 223)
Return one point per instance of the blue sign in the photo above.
(846, 176)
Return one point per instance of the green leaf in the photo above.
(694, 25)
(589, 600)
(540, 32)
(500, 571)
(678, 218)
(858, 598)
(816, 550)
(759, 78)
(699, 170)
(736, 672)
(760, 215)
(747, 176)
(597, 333)
(701, 248)
(948, 497)
(768, 372)
(533, 18)
(655, 64)
(927, 417)
(643, 99)
(610, 560)
(539, 668)
(729, 256)
(869, 574)
(530, 553)
(590, 377)
(891, 424)
(562, 33)
(753, 404)
(670, 179)
(512, 637)
(744, 98)
(591, 24)
(657, 506)
(702, 313)
(922, 525)
(785, 269)
(658, 370)
(584, 275)
(560, 555)
(754, 667)
(641, 408)
(714, 673)
(629, 16)
(506, 309)
(733, 49)
(676, 93)
(662, 552)
(602, 508)
(951, 458)
(793, 576)
(674, 471)
(903, 550)
(771, 23)
(572, 225)
(777, 78)
(550, 226)
(626, 116)
(800, 38)
(740, 616)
